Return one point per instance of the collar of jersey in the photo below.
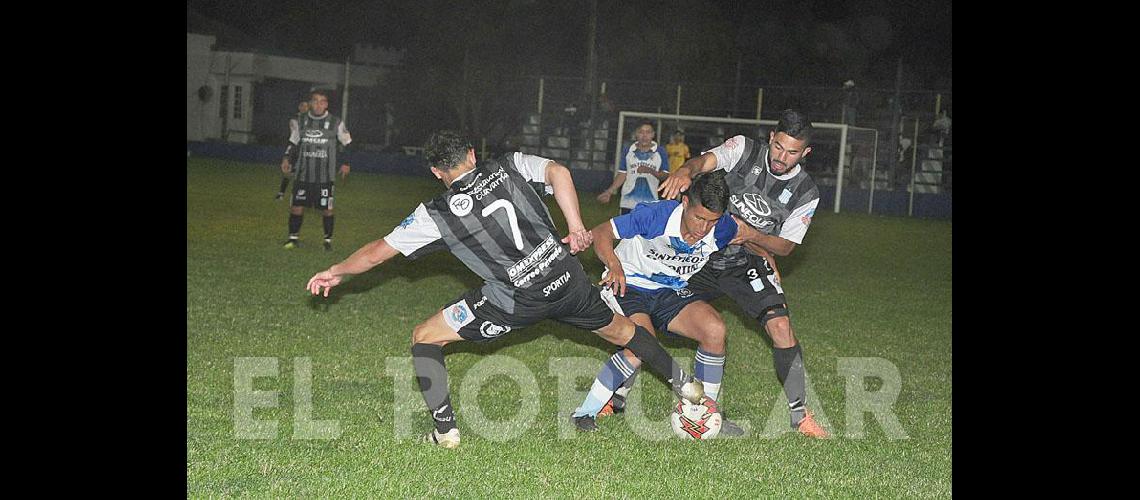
(322, 117)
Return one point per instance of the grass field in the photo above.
(859, 287)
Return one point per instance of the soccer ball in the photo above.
(696, 421)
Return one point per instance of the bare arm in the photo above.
(680, 178)
(752, 239)
(365, 258)
(619, 179)
(558, 177)
(604, 247)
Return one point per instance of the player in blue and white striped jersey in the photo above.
(662, 245)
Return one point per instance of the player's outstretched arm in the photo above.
(365, 258)
(680, 178)
(604, 247)
(605, 196)
(558, 177)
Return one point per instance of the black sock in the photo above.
(790, 371)
(645, 346)
(284, 184)
(329, 219)
(295, 224)
(432, 376)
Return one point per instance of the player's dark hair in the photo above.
(710, 190)
(795, 124)
(446, 149)
(645, 122)
(320, 92)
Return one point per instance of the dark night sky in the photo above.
(865, 37)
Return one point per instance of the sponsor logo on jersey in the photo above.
(749, 213)
(458, 315)
(756, 169)
(556, 284)
(461, 204)
(482, 187)
(480, 303)
(491, 330)
(757, 204)
(407, 222)
(684, 293)
(314, 133)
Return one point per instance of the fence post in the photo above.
(759, 101)
(913, 161)
(541, 81)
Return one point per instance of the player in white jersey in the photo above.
(643, 166)
(662, 245)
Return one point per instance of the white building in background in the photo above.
(220, 85)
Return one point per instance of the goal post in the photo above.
(719, 131)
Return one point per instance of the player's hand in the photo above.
(285, 168)
(744, 232)
(579, 240)
(343, 171)
(614, 280)
(677, 182)
(605, 196)
(323, 279)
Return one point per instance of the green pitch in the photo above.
(289, 395)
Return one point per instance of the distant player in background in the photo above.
(642, 167)
(678, 150)
(492, 218)
(313, 150)
(771, 191)
(294, 126)
(662, 244)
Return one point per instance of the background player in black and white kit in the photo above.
(492, 218)
(313, 151)
(294, 128)
(772, 192)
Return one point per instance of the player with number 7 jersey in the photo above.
(493, 219)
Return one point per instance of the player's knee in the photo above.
(713, 336)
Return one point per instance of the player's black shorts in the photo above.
(752, 284)
(575, 301)
(313, 194)
(661, 305)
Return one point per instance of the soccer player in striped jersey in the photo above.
(770, 191)
(491, 217)
(662, 244)
(313, 151)
(642, 167)
(294, 128)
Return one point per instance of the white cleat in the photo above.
(449, 439)
(693, 391)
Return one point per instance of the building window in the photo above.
(237, 102)
(223, 99)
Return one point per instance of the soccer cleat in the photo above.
(328, 244)
(449, 439)
(615, 405)
(729, 428)
(292, 243)
(810, 428)
(692, 391)
(585, 423)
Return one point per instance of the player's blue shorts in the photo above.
(661, 305)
